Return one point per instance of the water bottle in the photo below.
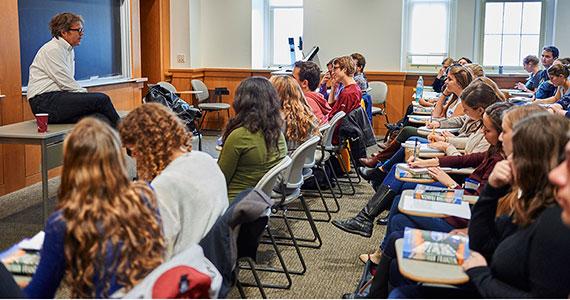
(419, 89)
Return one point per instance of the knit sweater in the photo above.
(191, 194)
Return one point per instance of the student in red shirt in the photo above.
(349, 98)
(308, 74)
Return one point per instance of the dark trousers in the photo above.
(8, 287)
(68, 107)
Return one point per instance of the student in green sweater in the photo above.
(253, 141)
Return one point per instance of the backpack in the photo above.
(187, 113)
(189, 274)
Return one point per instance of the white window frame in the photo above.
(546, 32)
(269, 26)
(406, 63)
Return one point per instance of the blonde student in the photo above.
(106, 233)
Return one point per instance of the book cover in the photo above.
(433, 193)
(435, 246)
(406, 174)
(19, 261)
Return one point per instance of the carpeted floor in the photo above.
(332, 270)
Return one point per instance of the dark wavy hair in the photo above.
(257, 107)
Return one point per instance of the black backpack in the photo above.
(183, 110)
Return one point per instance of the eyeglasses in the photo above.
(79, 30)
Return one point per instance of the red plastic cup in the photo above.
(42, 121)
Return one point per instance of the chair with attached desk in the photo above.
(429, 272)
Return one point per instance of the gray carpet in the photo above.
(332, 270)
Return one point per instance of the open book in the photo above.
(417, 171)
(19, 261)
(438, 130)
(435, 246)
(423, 147)
(23, 258)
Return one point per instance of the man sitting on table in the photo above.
(52, 88)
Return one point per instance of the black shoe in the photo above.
(352, 296)
(383, 221)
(371, 173)
(358, 225)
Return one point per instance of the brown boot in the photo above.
(370, 162)
(389, 151)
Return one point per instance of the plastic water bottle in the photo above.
(419, 89)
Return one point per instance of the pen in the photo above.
(439, 191)
(415, 148)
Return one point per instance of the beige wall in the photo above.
(562, 27)
(371, 27)
(217, 33)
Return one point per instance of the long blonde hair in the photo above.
(154, 133)
(300, 122)
(104, 211)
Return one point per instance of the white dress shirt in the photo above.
(53, 69)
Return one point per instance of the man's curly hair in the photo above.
(153, 133)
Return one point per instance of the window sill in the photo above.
(99, 82)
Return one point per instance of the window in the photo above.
(273, 23)
(512, 30)
(104, 53)
(427, 43)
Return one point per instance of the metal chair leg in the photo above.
(202, 120)
(325, 210)
(283, 269)
(258, 283)
(309, 241)
(293, 243)
(335, 177)
(347, 176)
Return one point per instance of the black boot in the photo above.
(362, 223)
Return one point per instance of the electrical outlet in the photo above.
(180, 58)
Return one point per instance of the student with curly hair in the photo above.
(253, 141)
(300, 122)
(189, 185)
(106, 233)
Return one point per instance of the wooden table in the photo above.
(429, 272)
(189, 92)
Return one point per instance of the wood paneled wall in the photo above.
(19, 164)
(400, 88)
